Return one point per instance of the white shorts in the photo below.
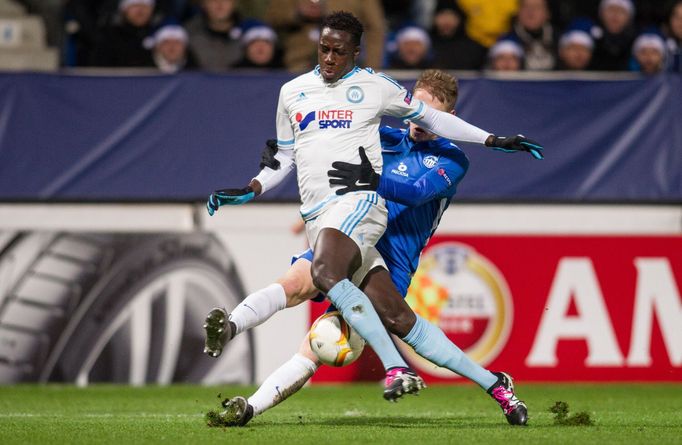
(362, 216)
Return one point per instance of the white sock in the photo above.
(258, 307)
(283, 383)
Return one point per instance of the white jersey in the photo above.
(324, 123)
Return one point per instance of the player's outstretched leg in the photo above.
(502, 391)
(219, 330)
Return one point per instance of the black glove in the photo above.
(354, 177)
(267, 158)
(512, 144)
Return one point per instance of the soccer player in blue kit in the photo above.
(420, 176)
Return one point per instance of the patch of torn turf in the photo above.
(562, 417)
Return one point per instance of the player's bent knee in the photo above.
(399, 322)
(324, 278)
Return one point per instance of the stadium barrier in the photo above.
(547, 292)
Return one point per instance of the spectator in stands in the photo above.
(487, 20)
(297, 23)
(575, 50)
(215, 35)
(85, 21)
(649, 52)
(123, 45)
(412, 49)
(614, 35)
(452, 48)
(506, 55)
(170, 53)
(532, 28)
(673, 30)
(260, 48)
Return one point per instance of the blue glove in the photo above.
(229, 197)
(512, 144)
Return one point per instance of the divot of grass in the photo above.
(562, 417)
(214, 420)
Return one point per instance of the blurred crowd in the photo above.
(502, 35)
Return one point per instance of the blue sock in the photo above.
(432, 344)
(358, 312)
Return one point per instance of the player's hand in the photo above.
(267, 158)
(354, 177)
(512, 144)
(229, 197)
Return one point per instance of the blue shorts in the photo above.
(401, 279)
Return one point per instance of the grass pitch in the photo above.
(632, 414)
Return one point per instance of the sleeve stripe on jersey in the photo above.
(416, 113)
(391, 80)
(289, 142)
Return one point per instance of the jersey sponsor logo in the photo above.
(408, 98)
(401, 170)
(355, 95)
(464, 294)
(303, 122)
(326, 119)
(430, 161)
(443, 173)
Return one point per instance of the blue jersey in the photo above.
(418, 181)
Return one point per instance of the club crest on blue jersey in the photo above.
(430, 161)
(326, 119)
(355, 95)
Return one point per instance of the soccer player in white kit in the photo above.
(324, 116)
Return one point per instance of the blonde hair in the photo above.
(440, 85)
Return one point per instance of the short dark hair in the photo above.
(344, 21)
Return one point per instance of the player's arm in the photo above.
(451, 127)
(398, 102)
(357, 177)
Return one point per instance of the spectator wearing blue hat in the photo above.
(506, 55)
(412, 46)
(575, 50)
(260, 48)
(614, 35)
(649, 53)
(673, 30)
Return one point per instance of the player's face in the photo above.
(336, 54)
(418, 134)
